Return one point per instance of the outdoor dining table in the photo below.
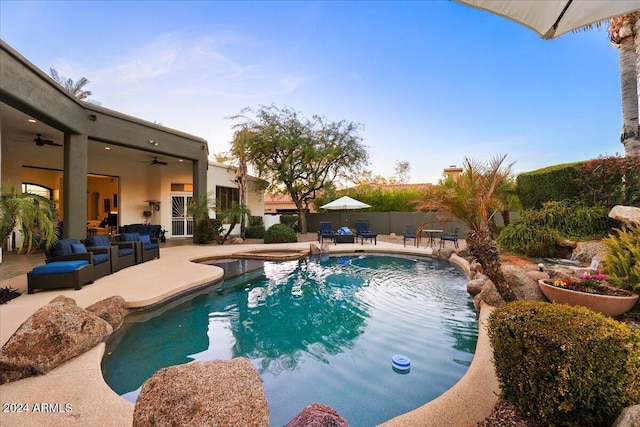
(431, 236)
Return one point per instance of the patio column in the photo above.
(75, 186)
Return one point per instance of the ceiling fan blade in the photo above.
(42, 142)
(155, 161)
(48, 142)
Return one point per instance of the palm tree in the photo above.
(474, 198)
(235, 214)
(623, 32)
(36, 216)
(76, 88)
(199, 209)
(238, 149)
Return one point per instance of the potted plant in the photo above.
(591, 291)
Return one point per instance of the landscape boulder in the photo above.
(625, 214)
(317, 415)
(56, 333)
(111, 310)
(630, 417)
(522, 285)
(489, 295)
(214, 393)
(586, 251)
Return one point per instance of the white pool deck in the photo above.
(78, 384)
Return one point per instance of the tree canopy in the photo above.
(298, 155)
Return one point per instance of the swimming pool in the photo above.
(317, 330)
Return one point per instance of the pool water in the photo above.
(317, 330)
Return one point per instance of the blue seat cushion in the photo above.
(148, 246)
(58, 267)
(125, 252)
(78, 248)
(98, 241)
(129, 237)
(63, 247)
(100, 258)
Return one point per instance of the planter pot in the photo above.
(606, 304)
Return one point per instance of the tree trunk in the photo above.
(486, 252)
(506, 217)
(302, 217)
(623, 32)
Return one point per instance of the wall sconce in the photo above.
(56, 195)
(93, 117)
(152, 142)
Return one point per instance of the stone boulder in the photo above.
(522, 284)
(630, 417)
(57, 332)
(474, 287)
(625, 214)
(489, 295)
(315, 248)
(317, 415)
(112, 310)
(586, 251)
(214, 393)
(236, 240)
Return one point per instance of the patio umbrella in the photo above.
(345, 203)
(552, 18)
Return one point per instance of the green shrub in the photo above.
(563, 365)
(254, 232)
(530, 240)
(280, 233)
(622, 259)
(610, 180)
(207, 232)
(291, 221)
(535, 232)
(552, 183)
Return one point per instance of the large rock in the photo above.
(57, 332)
(489, 295)
(318, 415)
(111, 310)
(630, 417)
(625, 214)
(215, 393)
(586, 251)
(522, 285)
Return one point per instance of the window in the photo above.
(225, 196)
(37, 189)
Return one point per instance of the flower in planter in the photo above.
(588, 283)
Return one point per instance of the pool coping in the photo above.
(470, 400)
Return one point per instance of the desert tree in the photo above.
(298, 156)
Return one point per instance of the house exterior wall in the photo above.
(30, 91)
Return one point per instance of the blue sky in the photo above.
(432, 82)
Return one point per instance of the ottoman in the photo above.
(60, 274)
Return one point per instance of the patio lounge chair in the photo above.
(326, 232)
(147, 248)
(362, 231)
(72, 250)
(449, 238)
(122, 253)
(410, 233)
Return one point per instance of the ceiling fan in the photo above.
(42, 142)
(155, 161)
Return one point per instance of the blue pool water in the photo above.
(317, 330)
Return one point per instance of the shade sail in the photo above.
(345, 203)
(552, 18)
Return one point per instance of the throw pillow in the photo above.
(78, 248)
(144, 238)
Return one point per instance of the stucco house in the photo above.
(96, 163)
